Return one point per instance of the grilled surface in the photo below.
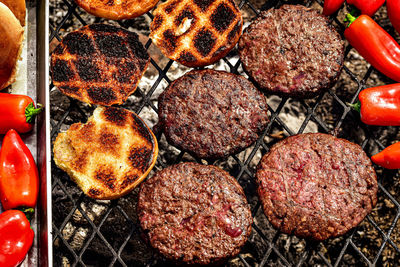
(316, 185)
(293, 51)
(99, 64)
(109, 155)
(196, 32)
(194, 214)
(117, 9)
(212, 114)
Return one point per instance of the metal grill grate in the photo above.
(88, 232)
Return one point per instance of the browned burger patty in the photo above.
(293, 51)
(194, 214)
(99, 64)
(196, 32)
(212, 114)
(316, 186)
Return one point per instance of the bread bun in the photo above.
(99, 64)
(196, 33)
(17, 7)
(117, 10)
(109, 155)
(11, 35)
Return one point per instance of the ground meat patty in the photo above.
(194, 214)
(212, 114)
(316, 185)
(292, 51)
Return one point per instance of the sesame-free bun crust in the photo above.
(117, 9)
(18, 8)
(99, 64)
(196, 32)
(109, 155)
(11, 35)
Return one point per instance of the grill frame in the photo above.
(274, 253)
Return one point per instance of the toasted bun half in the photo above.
(18, 7)
(109, 155)
(117, 9)
(11, 36)
(195, 32)
(99, 64)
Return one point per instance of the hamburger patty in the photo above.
(194, 214)
(316, 185)
(212, 114)
(292, 51)
(99, 64)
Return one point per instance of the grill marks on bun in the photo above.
(99, 64)
(196, 33)
(109, 155)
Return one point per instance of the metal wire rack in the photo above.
(107, 233)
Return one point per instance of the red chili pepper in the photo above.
(388, 158)
(19, 179)
(393, 10)
(367, 7)
(380, 105)
(17, 112)
(331, 6)
(375, 45)
(16, 237)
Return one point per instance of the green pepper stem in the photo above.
(28, 212)
(31, 112)
(349, 18)
(355, 106)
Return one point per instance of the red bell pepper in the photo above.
(375, 45)
(367, 7)
(17, 112)
(331, 6)
(380, 105)
(388, 158)
(16, 237)
(393, 10)
(19, 179)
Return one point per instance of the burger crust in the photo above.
(196, 33)
(117, 10)
(18, 8)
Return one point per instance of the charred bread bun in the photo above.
(99, 64)
(109, 155)
(11, 36)
(18, 8)
(117, 10)
(196, 33)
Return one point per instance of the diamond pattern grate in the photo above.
(107, 233)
